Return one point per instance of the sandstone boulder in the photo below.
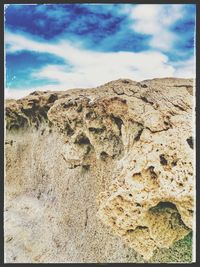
(100, 175)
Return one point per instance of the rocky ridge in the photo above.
(132, 141)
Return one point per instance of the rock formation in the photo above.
(100, 175)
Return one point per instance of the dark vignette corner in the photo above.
(2, 129)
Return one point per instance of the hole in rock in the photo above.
(163, 205)
(126, 81)
(190, 211)
(141, 227)
(82, 140)
(29, 111)
(163, 160)
(97, 130)
(68, 105)
(152, 173)
(69, 130)
(52, 98)
(103, 155)
(118, 121)
(190, 142)
(130, 230)
(86, 167)
(166, 207)
(80, 108)
(120, 209)
(143, 85)
(146, 100)
(34, 93)
(174, 163)
(120, 197)
(89, 147)
(90, 115)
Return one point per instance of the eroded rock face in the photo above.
(134, 139)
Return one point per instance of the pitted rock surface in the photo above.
(133, 144)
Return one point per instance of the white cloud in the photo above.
(90, 68)
(155, 20)
(186, 68)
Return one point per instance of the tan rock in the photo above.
(90, 169)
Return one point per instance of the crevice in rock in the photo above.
(117, 121)
(86, 217)
(118, 91)
(137, 137)
(146, 100)
(179, 107)
(159, 131)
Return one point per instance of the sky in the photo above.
(63, 46)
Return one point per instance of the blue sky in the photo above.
(62, 46)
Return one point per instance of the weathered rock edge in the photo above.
(145, 128)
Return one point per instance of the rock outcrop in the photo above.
(99, 175)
